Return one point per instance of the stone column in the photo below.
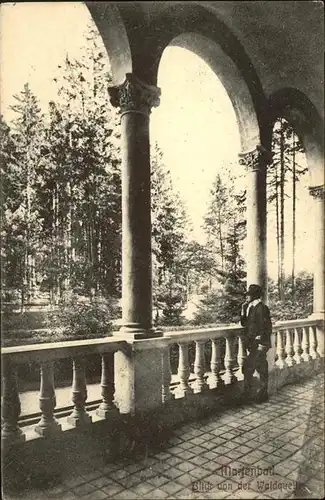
(135, 100)
(256, 162)
(318, 256)
(138, 369)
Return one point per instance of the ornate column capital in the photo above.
(254, 160)
(134, 95)
(317, 192)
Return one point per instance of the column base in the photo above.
(49, 430)
(9, 439)
(107, 412)
(134, 331)
(139, 375)
(79, 420)
(318, 315)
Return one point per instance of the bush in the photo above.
(298, 306)
(219, 307)
(79, 317)
(170, 301)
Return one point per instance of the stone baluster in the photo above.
(230, 361)
(280, 350)
(289, 349)
(166, 375)
(79, 416)
(106, 407)
(313, 343)
(241, 357)
(297, 347)
(200, 384)
(215, 379)
(47, 402)
(10, 431)
(305, 344)
(184, 388)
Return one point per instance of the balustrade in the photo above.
(305, 344)
(79, 415)
(215, 380)
(230, 361)
(280, 349)
(10, 432)
(199, 366)
(166, 375)
(297, 347)
(313, 343)
(289, 360)
(48, 424)
(241, 357)
(300, 346)
(107, 386)
(184, 388)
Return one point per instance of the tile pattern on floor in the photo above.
(270, 450)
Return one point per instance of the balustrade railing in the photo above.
(46, 355)
(218, 363)
(294, 342)
(226, 359)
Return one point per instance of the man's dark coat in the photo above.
(258, 322)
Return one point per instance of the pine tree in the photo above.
(217, 218)
(26, 139)
(12, 243)
(88, 174)
(169, 223)
(223, 304)
(285, 147)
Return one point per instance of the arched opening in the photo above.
(205, 119)
(64, 171)
(289, 234)
(300, 118)
(303, 117)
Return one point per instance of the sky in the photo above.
(195, 124)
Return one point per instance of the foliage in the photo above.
(170, 300)
(283, 172)
(61, 214)
(299, 308)
(225, 234)
(79, 317)
(168, 244)
(21, 157)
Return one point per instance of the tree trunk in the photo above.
(56, 246)
(277, 227)
(67, 240)
(27, 255)
(293, 273)
(221, 240)
(282, 180)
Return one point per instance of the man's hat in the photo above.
(254, 291)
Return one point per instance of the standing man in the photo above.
(255, 318)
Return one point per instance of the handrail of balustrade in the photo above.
(231, 330)
(203, 334)
(294, 323)
(66, 349)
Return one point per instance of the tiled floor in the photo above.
(271, 450)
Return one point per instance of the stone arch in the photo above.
(201, 32)
(298, 110)
(112, 30)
